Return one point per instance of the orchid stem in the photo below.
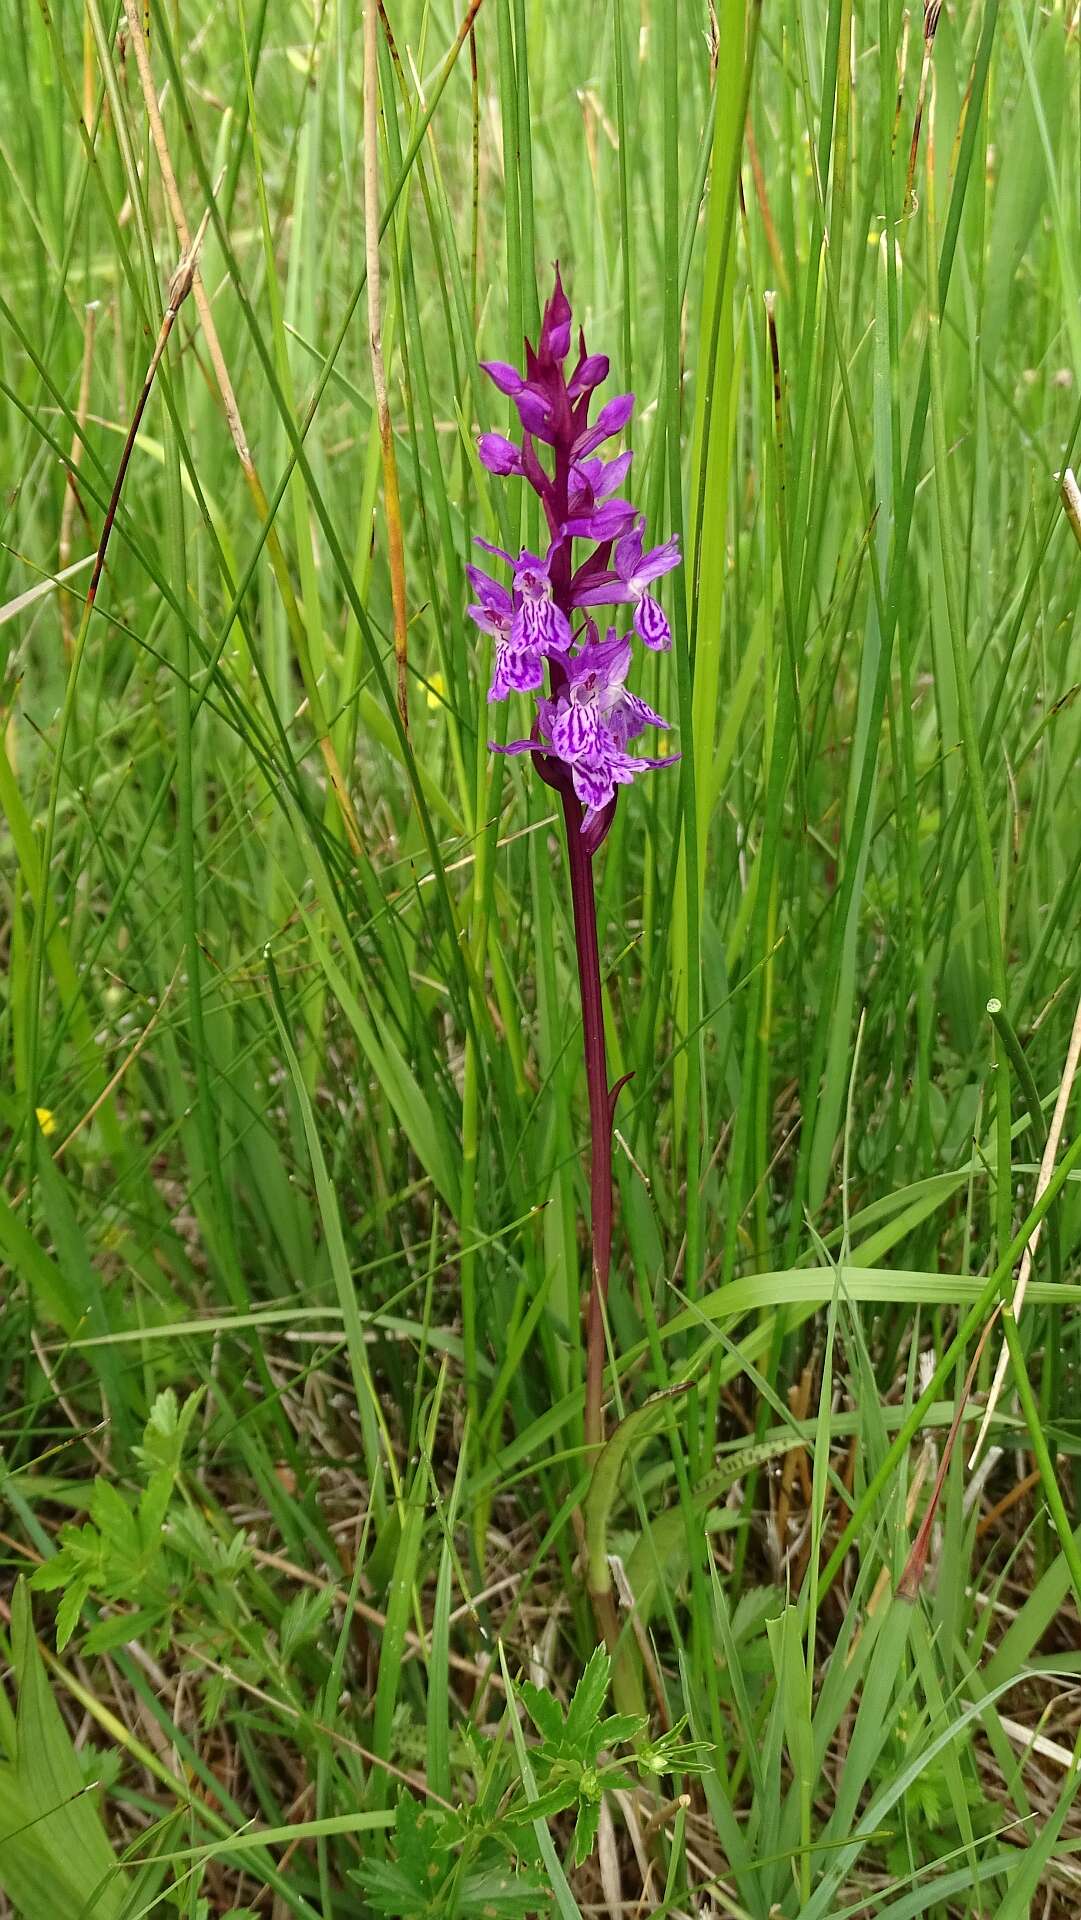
(584, 905)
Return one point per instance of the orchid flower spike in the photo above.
(585, 718)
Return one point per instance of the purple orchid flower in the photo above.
(526, 624)
(555, 334)
(594, 512)
(538, 621)
(574, 735)
(629, 582)
(506, 378)
(494, 608)
(542, 395)
(591, 370)
(596, 675)
(590, 723)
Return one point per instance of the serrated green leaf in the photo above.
(302, 1620)
(588, 1700)
(80, 1553)
(619, 1728)
(553, 1800)
(163, 1420)
(167, 1429)
(119, 1629)
(73, 1600)
(585, 1830)
(154, 1505)
(417, 1834)
(496, 1893)
(565, 1902)
(115, 1521)
(389, 1890)
(544, 1710)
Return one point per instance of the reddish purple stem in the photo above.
(602, 1099)
(584, 905)
(580, 852)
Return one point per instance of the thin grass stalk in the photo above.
(72, 500)
(890, 616)
(279, 564)
(986, 1299)
(1047, 1163)
(298, 461)
(179, 287)
(1048, 1474)
(391, 495)
(965, 702)
(689, 959)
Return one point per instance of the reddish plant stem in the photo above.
(554, 495)
(584, 906)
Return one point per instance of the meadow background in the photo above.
(292, 1108)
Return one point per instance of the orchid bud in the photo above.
(506, 378)
(499, 454)
(588, 374)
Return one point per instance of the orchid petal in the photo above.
(555, 334)
(628, 554)
(577, 731)
(593, 783)
(605, 591)
(651, 625)
(605, 522)
(612, 474)
(659, 560)
(641, 714)
(500, 552)
(518, 669)
(541, 626)
(489, 622)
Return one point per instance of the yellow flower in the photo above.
(436, 688)
(46, 1119)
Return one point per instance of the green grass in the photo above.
(291, 1345)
